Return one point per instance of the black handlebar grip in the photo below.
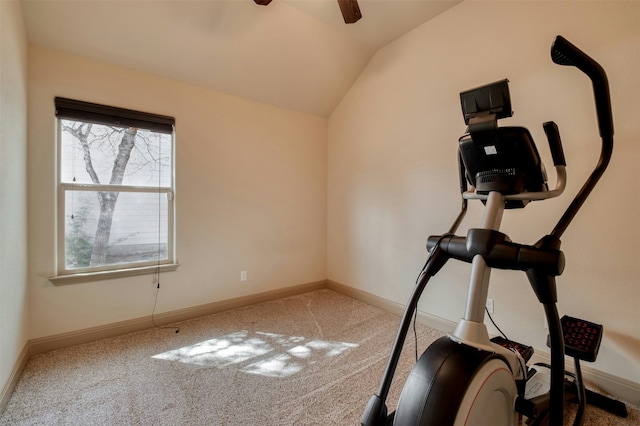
(565, 53)
(555, 145)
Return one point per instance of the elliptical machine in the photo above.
(467, 377)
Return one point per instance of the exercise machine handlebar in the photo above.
(499, 252)
(565, 53)
(555, 145)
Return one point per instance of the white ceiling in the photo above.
(295, 54)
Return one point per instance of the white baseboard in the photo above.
(10, 385)
(606, 383)
(72, 338)
(429, 320)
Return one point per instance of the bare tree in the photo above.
(107, 199)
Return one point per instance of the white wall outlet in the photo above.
(490, 305)
(243, 275)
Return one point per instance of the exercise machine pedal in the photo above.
(526, 352)
(582, 340)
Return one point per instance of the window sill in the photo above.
(115, 273)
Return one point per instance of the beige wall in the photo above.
(392, 171)
(14, 321)
(251, 195)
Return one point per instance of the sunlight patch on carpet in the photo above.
(266, 354)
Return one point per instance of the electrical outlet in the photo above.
(243, 275)
(490, 305)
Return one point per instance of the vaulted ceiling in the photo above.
(295, 54)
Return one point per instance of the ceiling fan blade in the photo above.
(262, 2)
(350, 10)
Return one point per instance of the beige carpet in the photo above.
(311, 359)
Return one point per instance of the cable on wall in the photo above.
(159, 249)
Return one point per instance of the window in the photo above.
(115, 191)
